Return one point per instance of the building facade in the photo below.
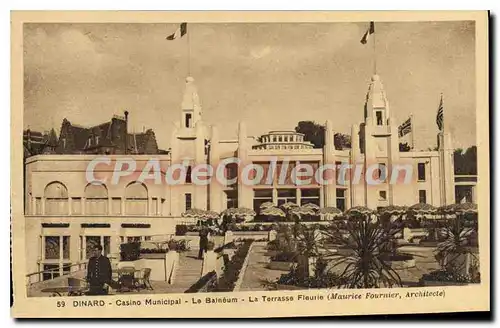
(66, 215)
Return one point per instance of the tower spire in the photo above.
(376, 104)
(191, 107)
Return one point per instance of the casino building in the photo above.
(65, 215)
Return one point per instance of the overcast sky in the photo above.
(269, 75)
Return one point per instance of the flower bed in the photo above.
(445, 278)
(232, 271)
(292, 280)
(181, 230)
(282, 261)
(267, 219)
(153, 251)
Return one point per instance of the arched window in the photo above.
(56, 199)
(96, 199)
(136, 199)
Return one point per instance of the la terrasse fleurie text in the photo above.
(333, 296)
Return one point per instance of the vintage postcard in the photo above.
(249, 164)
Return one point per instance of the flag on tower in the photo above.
(439, 117)
(179, 33)
(370, 31)
(405, 128)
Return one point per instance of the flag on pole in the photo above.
(179, 33)
(439, 117)
(370, 31)
(405, 128)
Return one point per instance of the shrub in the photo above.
(181, 230)
(130, 251)
(258, 227)
(286, 256)
(272, 245)
(366, 243)
(233, 268)
(153, 251)
(192, 228)
(449, 276)
(320, 280)
(230, 245)
(179, 245)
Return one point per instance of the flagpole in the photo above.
(412, 135)
(442, 105)
(189, 49)
(374, 50)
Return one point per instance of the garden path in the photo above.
(257, 271)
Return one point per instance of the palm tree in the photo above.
(309, 242)
(458, 234)
(364, 264)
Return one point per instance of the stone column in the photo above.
(83, 205)
(275, 195)
(200, 191)
(84, 247)
(70, 205)
(298, 196)
(110, 206)
(149, 212)
(61, 252)
(329, 158)
(114, 239)
(245, 197)
(33, 206)
(215, 186)
(447, 177)
(74, 244)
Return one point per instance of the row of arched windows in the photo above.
(96, 201)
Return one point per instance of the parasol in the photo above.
(311, 206)
(272, 211)
(358, 210)
(266, 204)
(288, 205)
(330, 212)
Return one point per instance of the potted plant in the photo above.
(456, 255)
(285, 249)
(172, 245)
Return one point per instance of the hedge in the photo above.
(232, 270)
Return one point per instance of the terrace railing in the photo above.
(51, 274)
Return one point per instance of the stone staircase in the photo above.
(188, 272)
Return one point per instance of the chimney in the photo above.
(126, 132)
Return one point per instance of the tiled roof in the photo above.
(138, 142)
(110, 135)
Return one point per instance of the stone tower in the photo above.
(379, 144)
(188, 147)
